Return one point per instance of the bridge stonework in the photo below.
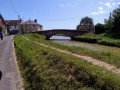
(69, 33)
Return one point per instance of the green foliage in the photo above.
(48, 69)
(89, 37)
(109, 24)
(112, 25)
(86, 21)
(116, 20)
(99, 28)
(100, 39)
(1, 28)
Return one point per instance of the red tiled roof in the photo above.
(13, 22)
(86, 27)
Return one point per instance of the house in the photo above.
(3, 24)
(30, 26)
(90, 28)
(13, 26)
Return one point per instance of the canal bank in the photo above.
(96, 47)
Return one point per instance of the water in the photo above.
(67, 41)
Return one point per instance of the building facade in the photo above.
(13, 26)
(3, 24)
(30, 26)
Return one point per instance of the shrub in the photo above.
(99, 28)
(1, 28)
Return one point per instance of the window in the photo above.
(15, 27)
(33, 26)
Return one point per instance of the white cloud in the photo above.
(119, 3)
(68, 4)
(113, 4)
(61, 5)
(100, 8)
(108, 4)
(100, 2)
(101, 12)
(94, 13)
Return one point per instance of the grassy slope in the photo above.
(108, 57)
(44, 68)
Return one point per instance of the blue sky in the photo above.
(57, 14)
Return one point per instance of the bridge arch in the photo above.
(69, 33)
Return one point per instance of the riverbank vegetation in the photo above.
(105, 34)
(44, 68)
(109, 57)
(104, 39)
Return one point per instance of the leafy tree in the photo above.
(116, 20)
(99, 28)
(86, 21)
(1, 28)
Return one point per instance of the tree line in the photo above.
(112, 24)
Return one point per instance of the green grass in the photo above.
(109, 57)
(60, 34)
(46, 69)
(104, 39)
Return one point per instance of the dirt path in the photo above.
(87, 58)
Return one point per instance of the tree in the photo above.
(109, 23)
(1, 28)
(86, 21)
(99, 28)
(116, 20)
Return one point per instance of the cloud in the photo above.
(61, 5)
(100, 2)
(94, 13)
(100, 8)
(119, 3)
(113, 4)
(101, 12)
(108, 4)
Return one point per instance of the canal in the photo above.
(67, 41)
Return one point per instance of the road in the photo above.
(10, 72)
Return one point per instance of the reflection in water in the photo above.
(67, 41)
(60, 38)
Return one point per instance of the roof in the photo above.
(29, 22)
(2, 19)
(12, 22)
(86, 27)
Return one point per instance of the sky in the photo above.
(58, 14)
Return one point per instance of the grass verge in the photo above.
(46, 69)
(109, 57)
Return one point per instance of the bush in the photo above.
(1, 28)
(99, 28)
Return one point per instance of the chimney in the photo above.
(35, 20)
(20, 20)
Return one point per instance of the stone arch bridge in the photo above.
(66, 32)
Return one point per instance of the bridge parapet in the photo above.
(69, 33)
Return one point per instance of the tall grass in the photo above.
(109, 57)
(46, 69)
